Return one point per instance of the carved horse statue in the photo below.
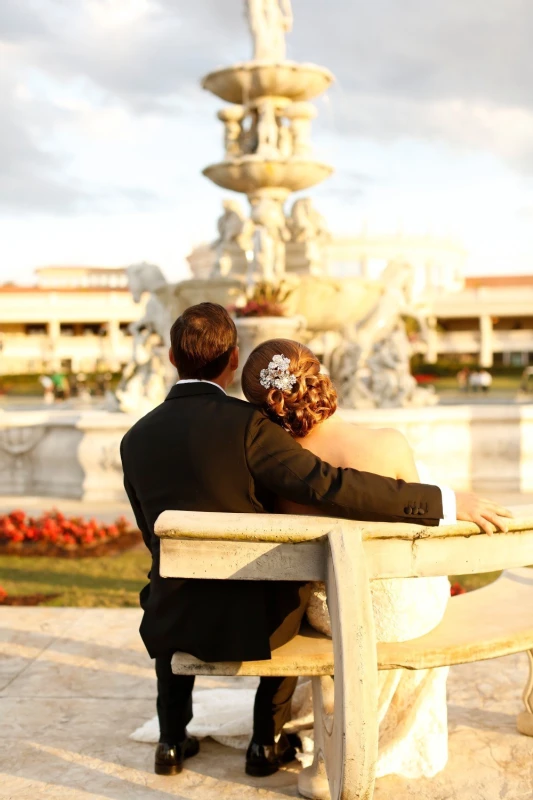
(157, 320)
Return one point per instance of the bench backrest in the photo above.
(285, 547)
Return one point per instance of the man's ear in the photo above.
(234, 359)
(171, 357)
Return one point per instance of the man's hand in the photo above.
(485, 513)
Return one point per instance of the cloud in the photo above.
(459, 73)
(453, 73)
(20, 21)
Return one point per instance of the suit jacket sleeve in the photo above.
(287, 470)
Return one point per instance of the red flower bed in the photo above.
(55, 534)
(24, 599)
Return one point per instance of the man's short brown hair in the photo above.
(202, 340)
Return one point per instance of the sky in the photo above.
(104, 129)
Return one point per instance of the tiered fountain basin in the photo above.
(242, 83)
(251, 174)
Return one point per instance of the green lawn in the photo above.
(501, 383)
(112, 581)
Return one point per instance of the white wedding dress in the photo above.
(412, 713)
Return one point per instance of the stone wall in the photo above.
(76, 455)
(479, 448)
(62, 454)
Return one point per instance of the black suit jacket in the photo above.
(201, 450)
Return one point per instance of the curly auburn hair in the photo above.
(311, 400)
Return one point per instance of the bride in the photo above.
(283, 378)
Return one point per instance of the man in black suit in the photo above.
(202, 450)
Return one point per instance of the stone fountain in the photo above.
(353, 324)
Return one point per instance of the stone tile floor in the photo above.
(74, 683)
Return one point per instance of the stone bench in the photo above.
(491, 622)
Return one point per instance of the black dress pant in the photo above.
(272, 707)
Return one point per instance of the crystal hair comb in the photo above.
(277, 375)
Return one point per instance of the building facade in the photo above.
(74, 318)
(490, 320)
(78, 318)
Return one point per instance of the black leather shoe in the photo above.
(169, 758)
(265, 759)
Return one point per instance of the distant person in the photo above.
(525, 383)
(485, 381)
(474, 381)
(103, 381)
(73, 385)
(48, 389)
(60, 385)
(462, 379)
(83, 390)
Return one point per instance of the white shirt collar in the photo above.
(196, 380)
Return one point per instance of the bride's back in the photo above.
(283, 377)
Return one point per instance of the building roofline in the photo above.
(62, 289)
(497, 281)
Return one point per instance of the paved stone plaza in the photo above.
(74, 683)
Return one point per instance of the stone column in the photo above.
(486, 355)
(429, 276)
(113, 334)
(432, 343)
(54, 332)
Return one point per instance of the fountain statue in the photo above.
(146, 379)
(270, 234)
(269, 21)
(371, 366)
(310, 235)
(233, 234)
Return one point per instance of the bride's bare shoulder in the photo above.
(389, 437)
(382, 450)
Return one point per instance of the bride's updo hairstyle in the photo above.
(310, 400)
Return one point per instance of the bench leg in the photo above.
(313, 781)
(346, 741)
(524, 722)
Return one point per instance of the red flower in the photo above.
(456, 589)
(18, 517)
(3, 594)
